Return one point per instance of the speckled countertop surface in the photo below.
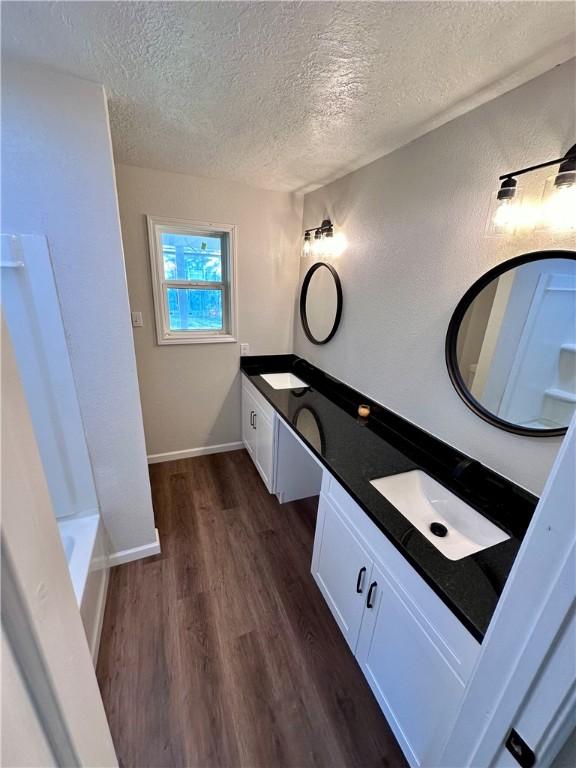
(356, 451)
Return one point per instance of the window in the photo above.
(193, 281)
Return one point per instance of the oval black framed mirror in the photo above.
(321, 303)
(511, 344)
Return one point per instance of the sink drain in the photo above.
(438, 529)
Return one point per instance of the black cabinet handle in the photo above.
(361, 573)
(373, 586)
(251, 418)
(254, 425)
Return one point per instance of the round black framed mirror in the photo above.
(321, 303)
(511, 344)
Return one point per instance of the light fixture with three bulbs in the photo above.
(323, 241)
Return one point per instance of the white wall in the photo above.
(58, 180)
(415, 225)
(191, 392)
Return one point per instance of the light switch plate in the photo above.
(244, 349)
(137, 320)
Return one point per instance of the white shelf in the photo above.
(561, 394)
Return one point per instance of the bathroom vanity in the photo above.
(413, 615)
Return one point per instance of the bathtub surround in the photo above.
(34, 319)
(58, 181)
(414, 221)
(186, 411)
(31, 311)
(84, 543)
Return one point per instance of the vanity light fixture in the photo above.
(321, 241)
(557, 211)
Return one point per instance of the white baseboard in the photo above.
(136, 553)
(156, 458)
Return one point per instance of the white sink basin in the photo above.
(423, 501)
(283, 381)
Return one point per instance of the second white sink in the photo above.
(424, 502)
(283, 381)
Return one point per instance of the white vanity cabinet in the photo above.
(341, 561)
(258, 427)
(408, 668)
(287, 467)
(414, 652)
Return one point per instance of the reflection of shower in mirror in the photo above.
(515, 344)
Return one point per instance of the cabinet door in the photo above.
(248, 431)
(264, 446)
(342, 569)
(411, 679)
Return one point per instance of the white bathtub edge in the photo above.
(93, 615)
(83, 531)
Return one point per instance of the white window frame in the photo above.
(156, 227)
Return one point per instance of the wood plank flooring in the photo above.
(221, 652)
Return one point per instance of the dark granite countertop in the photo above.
(357, 450)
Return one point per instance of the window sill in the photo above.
(223, 339)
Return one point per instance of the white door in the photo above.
(413, 682)
(342, 568)
(264, 431)
(248, 430)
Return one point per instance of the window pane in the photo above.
(195, 309)
(192, 257)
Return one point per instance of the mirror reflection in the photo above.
(321, 303)
(515, 346)
(308, 424)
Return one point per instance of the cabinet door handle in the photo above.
(251, 418)
(254, 425)
(359, 580)
(369, 603)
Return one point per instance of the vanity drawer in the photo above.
(453, 640)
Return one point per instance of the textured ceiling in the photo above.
(286, 95)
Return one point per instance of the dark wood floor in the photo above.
(221, 651)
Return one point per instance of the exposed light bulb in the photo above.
(318, 243)
(338, 244)
(505, 214)
(307, 247)
(504, 219)
(558, 212)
